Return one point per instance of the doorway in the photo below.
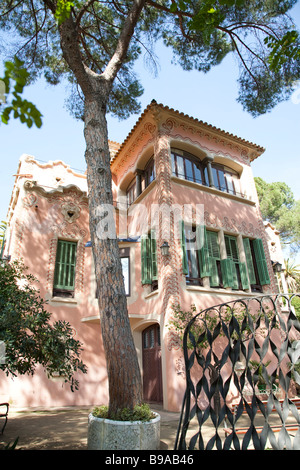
(152, 374)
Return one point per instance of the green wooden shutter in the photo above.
(227, 272)
(153, 256)
(261, 261)
(235, 281)
(145, 260)
(213, 244)
(183, 248)
(214, 256)
(244, 275)
(64, 276)
(249, 261)
(201, 237)
(214, 279)
(230, 273)
(58, 265)
(231, 248)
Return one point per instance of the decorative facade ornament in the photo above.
(231, 225)
(29, 184)
(173, 341)
(70, 211)
(30, 200)
(65, 230)
(67, 204)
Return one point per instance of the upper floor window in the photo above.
(148, 175)
(187, 167)
(190, 168)
(141, 181)
(64, 275)
(131, 192)
(226, 179)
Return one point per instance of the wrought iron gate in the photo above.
(231, 352)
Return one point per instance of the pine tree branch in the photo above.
(69, 40)
(11, 9)
(83, 10)
(125, 37)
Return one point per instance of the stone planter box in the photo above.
(106, 434)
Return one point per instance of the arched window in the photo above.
(226, 179)
(191, 168)
(187, 167)
(131, 192)
(141, 181)
(148, 174)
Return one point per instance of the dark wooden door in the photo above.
(152, 376)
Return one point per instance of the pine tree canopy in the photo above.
(259, 33)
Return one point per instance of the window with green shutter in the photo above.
(149, 259)
(261, 262)
(228, 272)
(65, 264)
(146, 260)
(183, 248)
(205, 266)
(232, 248)
(153, 255)
(230, 266)
(249, 261)
(234, 271)
(244, 276)
(256, 263)
(215, 277)
(200, 255)
(191, 243)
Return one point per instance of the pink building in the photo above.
(176, 180)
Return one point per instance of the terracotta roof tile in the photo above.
(210, 127)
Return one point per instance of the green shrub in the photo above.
(139, 413)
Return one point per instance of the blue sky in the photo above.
(209, 97)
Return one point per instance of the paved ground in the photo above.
(61, 429)
(66, 429)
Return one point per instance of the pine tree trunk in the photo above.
(125, 386)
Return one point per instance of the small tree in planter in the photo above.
(128, 429)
